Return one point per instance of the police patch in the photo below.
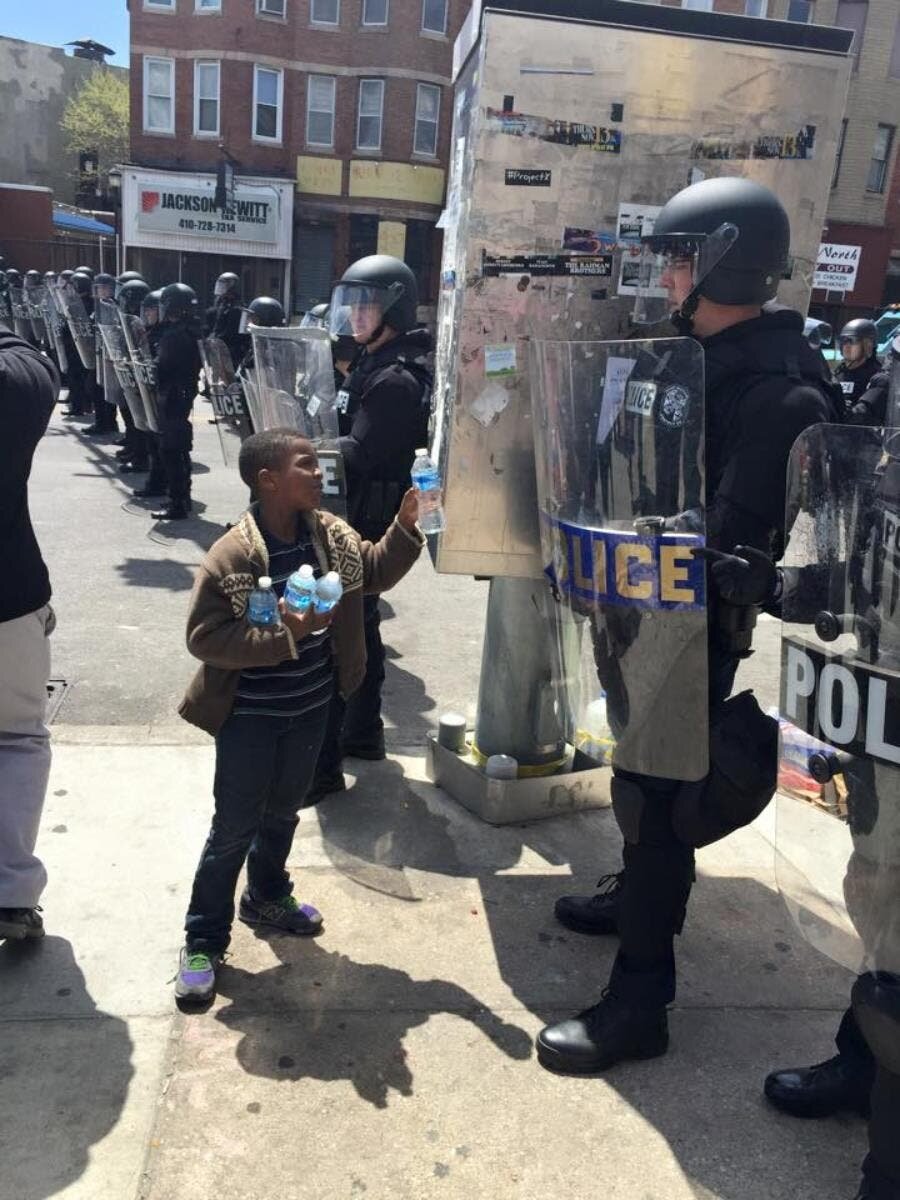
(639, 397)
(674, 406)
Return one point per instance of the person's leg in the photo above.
(175, 452)
(876, 1007)
(246, 758)
(156, 481)
(329, 775)
(363, 731)
(24, 767)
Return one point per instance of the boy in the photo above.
(264, 693)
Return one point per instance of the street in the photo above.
(391, 1058)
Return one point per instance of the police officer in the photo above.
(858, 342)
(317, 317)
(387, 397)
(155, 484)
(223, 320)
(177, 370)
(82, 382)
(721, 247)
(127, 277)
(135, 454)
(104, 288)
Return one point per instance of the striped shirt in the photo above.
(299, 685)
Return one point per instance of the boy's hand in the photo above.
(409, 510)
(303, 624)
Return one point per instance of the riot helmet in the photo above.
(177, 302)
(227, 284)
(127, 277)
(316, 317)
(264, 310)
(13, 277)
(817, 333)
(33, 279)
(130, 296)
(50, 277)
(89, 271)
(104, 286)
(375, 293)
(65, 276)
(857, 340)
(725, 240)
(150, 308)
(83, 284)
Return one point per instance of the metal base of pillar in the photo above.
(580, 785)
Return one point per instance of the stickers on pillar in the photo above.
(546, 264)
(604, 566)
(500, 361)
(799, 145)
(527, 177)
(558, 133)
(635, 221)
(587, 241)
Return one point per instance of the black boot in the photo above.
(172, 512)
(820, 1091)
(597, 914)
(601, 1036)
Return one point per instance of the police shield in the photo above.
(20, 314)
(838, 811)
(618, 433)
(106, 323)
(35, 300)
(79, 324)
(117, 359)
(143, 367)
(226, 394)
(293, 380)
(55, 323)
(6, 317)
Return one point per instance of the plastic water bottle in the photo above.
(427, 483)
(263, 607)
(328, 592)
(300, 589)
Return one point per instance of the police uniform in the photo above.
(177, 371)
(855, 381)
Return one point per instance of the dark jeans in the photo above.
(264, 766)
(357, 721)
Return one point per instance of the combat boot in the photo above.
(599, 1037)
(172, 512)
(594, 915)
(822, 1090)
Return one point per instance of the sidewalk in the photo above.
(391, 1058)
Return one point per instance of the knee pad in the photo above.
(876, 1006)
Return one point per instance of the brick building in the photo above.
(337, 114)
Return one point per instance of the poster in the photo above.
(635, 221)
(500, 360)
(546, 264)
(614, 383)
(527, 177)
(587, 241)
(836, 267)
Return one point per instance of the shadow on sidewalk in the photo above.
(65, 1068)
(290, 1030)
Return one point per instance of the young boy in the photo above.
(264, 693)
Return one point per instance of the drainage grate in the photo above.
(56, 693)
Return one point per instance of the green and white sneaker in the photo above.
(195, 982)
(284, 914)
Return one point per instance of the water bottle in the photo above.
(300, 589)
(427, 483)
(263, 607)
(328, 592)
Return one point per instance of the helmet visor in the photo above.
(104, 291)
(246, 321)
(357, 309)
(669, 269)
(311, 321)
(150, 314)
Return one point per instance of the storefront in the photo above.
(172, 230)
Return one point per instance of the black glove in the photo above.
(746, 577)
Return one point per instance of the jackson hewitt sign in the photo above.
(192, 210)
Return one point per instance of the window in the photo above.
(159, 86)
(375, 12)
(271, 8)
(428, 105)
(267, 94)
(800, 10)
(894, 69)
(368, 124)
(434, 16)
(207, 5)
(840, 153)
(206, 99)
(320, 111)
(325, 12)
(881, 155)
(164, 5)
(698, 5)
(756, 8)
(852, 14)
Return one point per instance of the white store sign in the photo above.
(836, 267)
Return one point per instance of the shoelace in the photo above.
(199, 962)
(609, 883)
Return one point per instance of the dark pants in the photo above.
(156, 481)
(875, 1068)
(264, 766)
(135, 439)
(357, 721)
(176, 438)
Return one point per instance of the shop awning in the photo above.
(78, 224)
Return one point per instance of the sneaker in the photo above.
(597, 914)
(285, 914)
(196, 978)
(21, 923)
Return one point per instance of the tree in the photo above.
(96, 118)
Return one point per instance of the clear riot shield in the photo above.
(117, 359)
(6, 317)
(618, 438)
(55, 323)
(227, 396)
(143, 366)
(20, 314)
(293, 386)
(79, 323)
(838, 809)
(35, 299)
(106, 316)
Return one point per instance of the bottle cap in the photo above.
(265, 581)
(422, 451)
(306, 571)
(333, 577)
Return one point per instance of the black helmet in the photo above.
(13, 277)
(33, 278)
(150, 304)
(127, 277)
(177, 301)
(736, 234)
(380, 281)
(817, 333)
(226, 284)
(65, 276)
(89, 271)
(264, 310)
(130, 296)
(104, 286)
(83, 284)
(860, 330)
(50, 277)
(316, 317)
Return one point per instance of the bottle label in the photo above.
(263, 610)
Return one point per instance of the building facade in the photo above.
(341, 108)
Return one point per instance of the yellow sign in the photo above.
(321, 176)
(397, 181)
(392, 238)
